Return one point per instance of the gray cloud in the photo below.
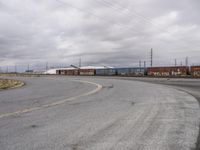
(118, 33)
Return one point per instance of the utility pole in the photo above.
(144, 64)
(47, 67)
(79, 62)
(144, 70)
(15, 68)
(151, 57)
(175, 63)
(186, 61)
(140, 65)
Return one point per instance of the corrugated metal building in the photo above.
(168, 71)
(195, 71)
(51, 71)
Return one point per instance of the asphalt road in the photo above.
(190, 86)
(61, 113)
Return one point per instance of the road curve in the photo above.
(122, 115)
(52, 104)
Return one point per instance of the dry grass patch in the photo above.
(7, 83)
(19, 75)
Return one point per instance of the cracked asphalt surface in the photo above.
(122, 115)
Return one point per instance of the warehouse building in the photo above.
(51, 71)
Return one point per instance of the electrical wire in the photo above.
(125, 27)
(132, 13)
(117, 9)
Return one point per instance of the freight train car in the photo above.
(195, 71)
(67, 71)
(87, 72)
(58, 71)
(137, 71)
(176, 71)
(106, 72)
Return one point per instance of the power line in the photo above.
(120, 25)
(125, 27)
(136, 14)
(103, 19)
(132, 13)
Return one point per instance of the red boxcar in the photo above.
(195, 71)
(168, 71)
(68, 72)
(87, 72)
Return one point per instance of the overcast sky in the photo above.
(101, 32)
